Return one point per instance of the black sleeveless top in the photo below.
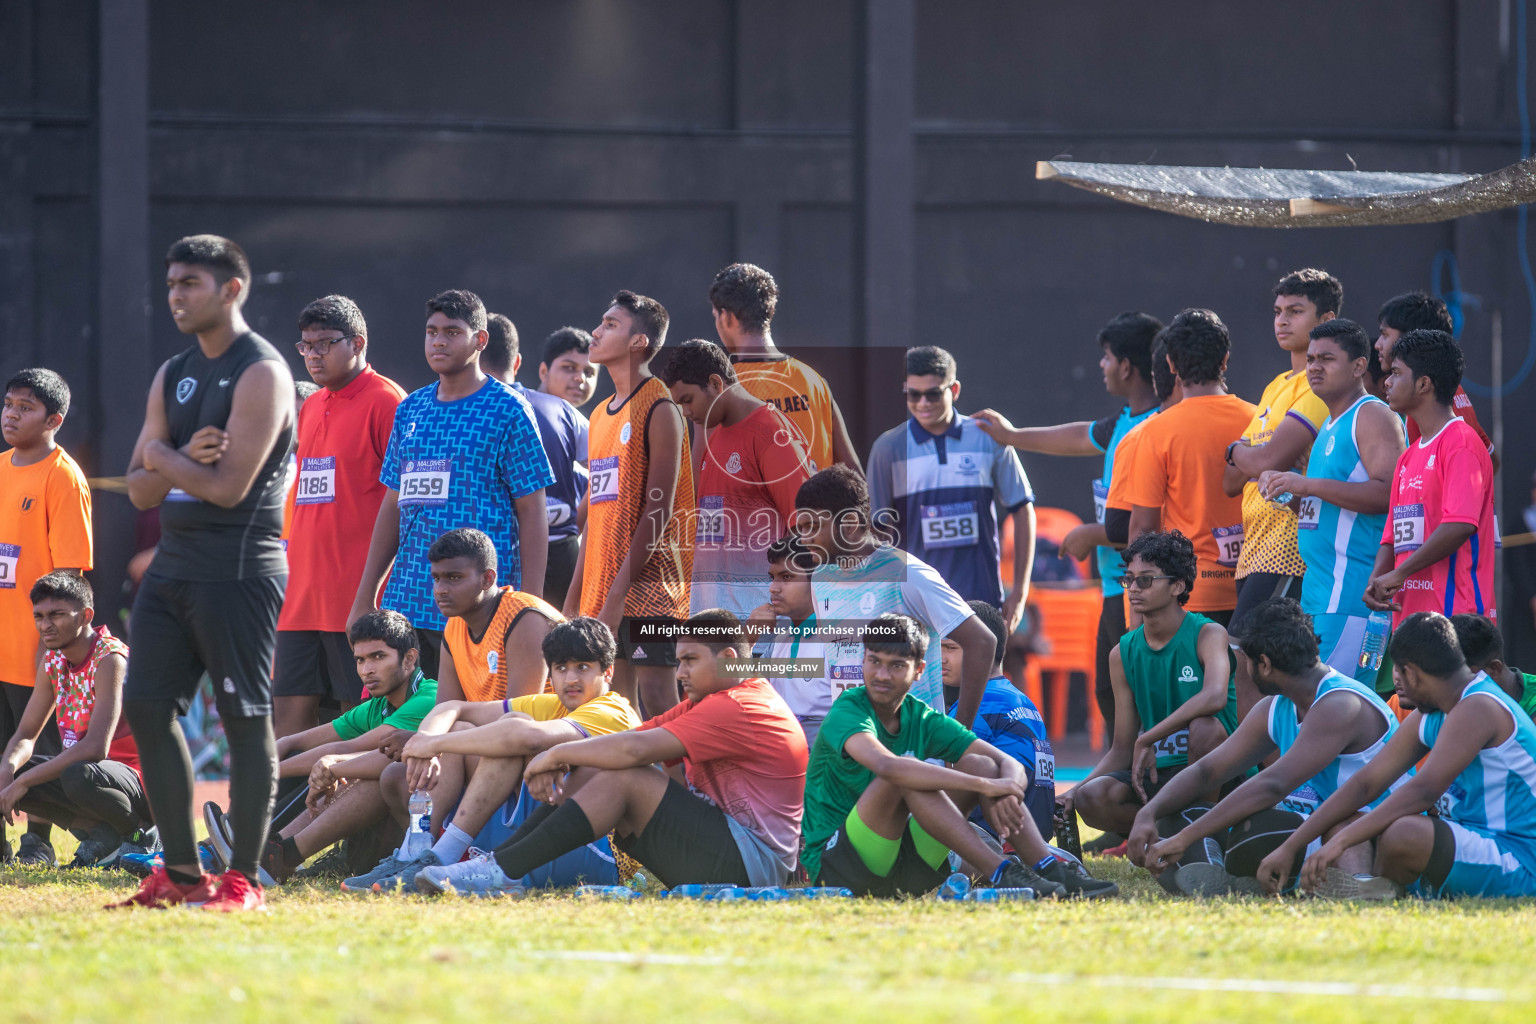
(199, 541)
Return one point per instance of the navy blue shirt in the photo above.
(563, 431)
(1009, 721)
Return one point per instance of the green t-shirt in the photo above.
(1162, 681)
(834, 781)
(1528, 698)
(371, 714)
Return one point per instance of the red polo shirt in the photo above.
(342, 438)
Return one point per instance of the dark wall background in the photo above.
(544, 154)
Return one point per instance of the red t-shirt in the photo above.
(746, 753)
(748, 480)
(1461, 405)
(1447, 478)
(74, 691)
(342, 439)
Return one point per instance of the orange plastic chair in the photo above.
(1071, 623)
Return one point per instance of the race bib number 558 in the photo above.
(426, 482)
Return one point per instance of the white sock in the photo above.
(452, 844)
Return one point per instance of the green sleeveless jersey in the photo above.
(1163, 680)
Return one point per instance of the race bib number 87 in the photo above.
(426, 482)
(605, 480)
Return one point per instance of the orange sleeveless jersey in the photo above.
(797, 391)
(481, 665)
(618, 460)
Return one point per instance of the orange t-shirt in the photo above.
(797, 391)
(45, 524)
(618, 461)
(481, 665)
(1178, 469)
(342, 437)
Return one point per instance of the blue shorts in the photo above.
(1339, 640)
(1485, 864)
(593, 864)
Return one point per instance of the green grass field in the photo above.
(319, 955)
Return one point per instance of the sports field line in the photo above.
(1267, 986)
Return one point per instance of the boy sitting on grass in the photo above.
(882, 821)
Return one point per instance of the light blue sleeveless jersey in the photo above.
(1338, 546)
(1497, 791)
(1284, 729)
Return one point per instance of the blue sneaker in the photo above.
(478, 876)
(404, 880)
(386, 868)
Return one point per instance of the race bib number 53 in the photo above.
(426, 482)
(1407, 528)
(10, 556)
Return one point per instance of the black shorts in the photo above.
(841, 865)
(1256, 588)
(688, 841)
(1164, 776)
(228, 629)
(13, 704)
(1111, 630)
(315, 663)
(1241, 848)
(429, 651)
(561, 566)
(660, 652)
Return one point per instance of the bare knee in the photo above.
(977, 765)
(1403, 850)
(1205, 735)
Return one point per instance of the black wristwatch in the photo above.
(1230, 447)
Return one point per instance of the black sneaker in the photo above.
(1078, 883)
(34, 852)
(94, 853)
(1106, 842)
(1018, 876)
(331, 864)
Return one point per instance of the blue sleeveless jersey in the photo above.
(1106, 435)
(1497, 791)
(1284, 728)
(1338, 546)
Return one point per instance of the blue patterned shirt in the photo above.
(455, 464)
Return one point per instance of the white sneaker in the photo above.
(1340, 885)
(478, 876)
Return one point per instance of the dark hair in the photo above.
(223, 258)
(899, 635)
(1198, 343)
(788, 548)
(334, 313)
(46, 386)
(835, 489)
(1279, 630)
(1325, 291)
(1479, 639)
(500, 346)
(1432, 354)
(930, 361)
(1346, 334)
(993, 620)
(716, 629)
(63, 586)
(457, 304)
(302, 389)
(1427, 640)
(747, 292)
(650, 318)
(1129, 336)
(1171, 552)
(1415, 311)
(581, 639)
(1163, 379)
(694, 362)
(464, 543)
(388, 627)
(566, 339)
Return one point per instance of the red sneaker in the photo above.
(235, 893)
(159, 890)
(1114, 851)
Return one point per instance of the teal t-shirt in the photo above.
(834, 781)
(371, 714)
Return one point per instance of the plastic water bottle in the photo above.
(1378, 627)
(418, 838)
(955, 887)
(1020, 895)
(821, 892)
(1282, 500)
(768, 894)
(694, 891)
(608, 892)
(728, 894)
